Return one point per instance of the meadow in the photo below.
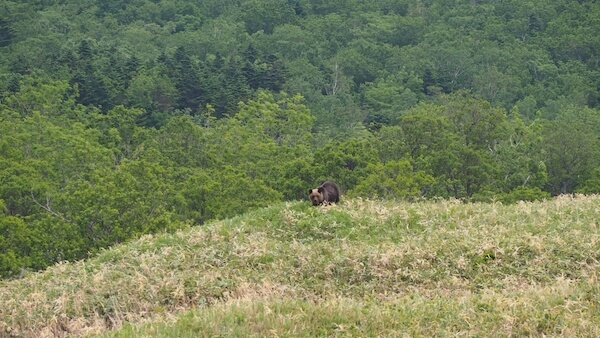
(358, 268)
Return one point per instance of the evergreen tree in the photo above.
(188, 81)
(6, 33)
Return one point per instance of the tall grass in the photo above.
(359, 268)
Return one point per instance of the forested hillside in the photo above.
(125, 117)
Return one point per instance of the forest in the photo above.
(120, 118)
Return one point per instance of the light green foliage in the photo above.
(292, 42)
(393, 180)
(293, 178)
(15, 243)
(456, 141)
(477, 128)
(113, 206)
(478, 123)
(425, 132)
(39, 156)
(332, 31)
(63, 195)
(287, 121)
(120, 132)
(392, 28)
(307, 79)
(20, 181)
(522, 167)
(185, 143)
(42, 96)
(265, 139)
(390, 96)
(392, 144)
(217, 195)
(151, 91)
(346, 162)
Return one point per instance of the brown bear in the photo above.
(326, 193)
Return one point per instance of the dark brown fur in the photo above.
(326, 193)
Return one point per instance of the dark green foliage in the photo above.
(491, 48)
(592, 185)
(570, 144)
(6, 33)
(232, 87)
(265, 15)
(188, 77)
(295, 177)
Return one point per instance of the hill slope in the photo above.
(362, 268)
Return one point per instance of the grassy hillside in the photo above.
(360, 268)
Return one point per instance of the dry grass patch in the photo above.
(555, 310)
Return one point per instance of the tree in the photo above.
(92, 87)
(266, 15)
(425, 133)
(345, 163)
(189, 82)
(389, 97)
(456, 141)
(294, 177)
(6, 32)
(592, 184)
(233, 89)
(114, 205)
(570, 147)
(186, 144)
(360, 61)
(37, 93)
(323, 7)
(286, 121)
(224, 193)
(42, 157)
(394, 179)
(120, 131)
(15, 245)
(153, 92)
(522, 172)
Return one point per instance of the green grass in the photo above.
(359, 268)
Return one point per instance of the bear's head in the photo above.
(316, 196)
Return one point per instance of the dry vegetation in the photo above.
(360, 268)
